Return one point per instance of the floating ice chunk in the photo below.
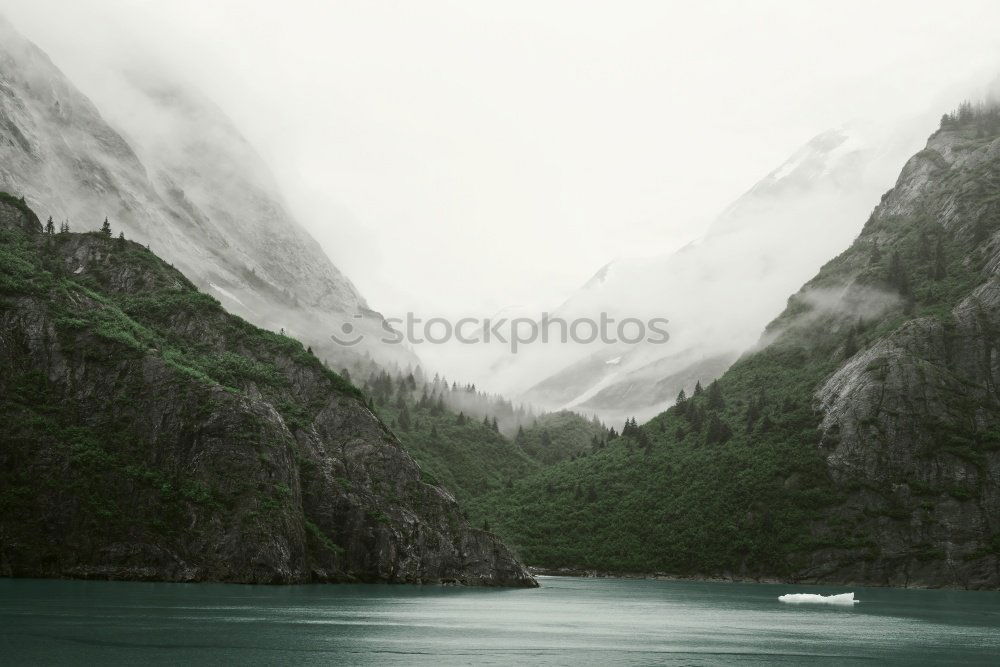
(813, 598)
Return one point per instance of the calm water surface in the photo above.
(568, 621)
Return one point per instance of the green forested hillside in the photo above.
(463, 454)
(704, 487)
(558, 436)
(470, 454)
(856, 444)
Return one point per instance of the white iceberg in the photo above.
(813, 598)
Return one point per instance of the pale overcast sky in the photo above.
(465, 156)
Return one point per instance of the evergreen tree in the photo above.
(632, 429)
(50, 227)
(683, 404)
(121, 242)
(696, 417)
(715, 400)
(404, 418)
(718, 431)
(546, 440)
(641, 438)
(496, 427)
(697, 388)
(106, 228)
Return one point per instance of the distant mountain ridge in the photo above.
(719, 291)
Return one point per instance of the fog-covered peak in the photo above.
(169, 169)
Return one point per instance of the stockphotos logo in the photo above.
(515, 332)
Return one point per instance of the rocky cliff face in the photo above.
(911, 423)
(148, 434)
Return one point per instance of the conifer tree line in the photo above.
(983, 115)
(105, 229)
(408, 392)
(702, 413)
(50, 227)
(409, 387)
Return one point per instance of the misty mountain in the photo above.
(720, 291)
(859, 443)
(174, 173)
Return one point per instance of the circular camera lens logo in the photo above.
(348, 337)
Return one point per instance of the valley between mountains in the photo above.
(172, 406)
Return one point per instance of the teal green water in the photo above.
(568, 621)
